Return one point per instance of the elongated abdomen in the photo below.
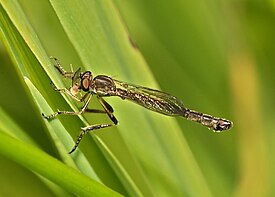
(213, 123)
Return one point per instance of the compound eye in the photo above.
(85, 81)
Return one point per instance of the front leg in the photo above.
(51, 116)
(61, 70)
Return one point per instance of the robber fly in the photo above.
(105, 86)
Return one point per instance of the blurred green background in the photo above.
(217, 56)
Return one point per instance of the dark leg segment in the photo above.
(109, 110)
(97, 111)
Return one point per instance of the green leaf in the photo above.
(28, 67)
(50, 168)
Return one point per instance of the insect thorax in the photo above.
(104, 86)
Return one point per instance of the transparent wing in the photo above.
(154, 100)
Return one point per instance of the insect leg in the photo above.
(66, 91)
(108, 109)
(61, 70)
(83, 109)
(86, 130)
(98, 111)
